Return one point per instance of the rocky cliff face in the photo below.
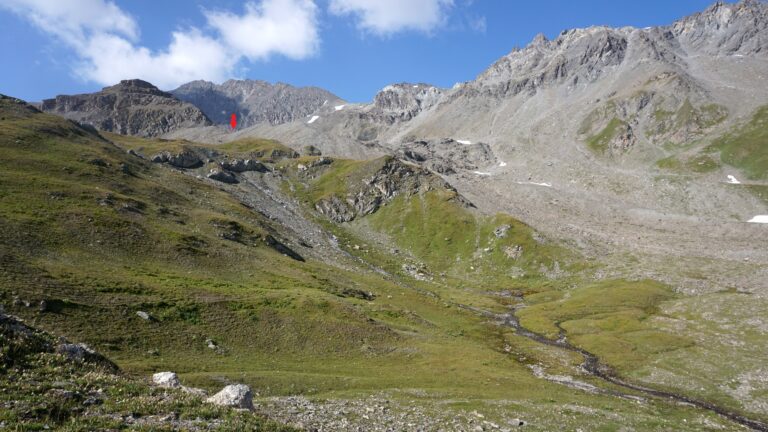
(254, 101)
(726, 29)
(405, 101)
(132, 107)
(388, 178)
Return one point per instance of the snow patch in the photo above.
(415, 86)
(465, 142)
(325, 102)
(339, 107)
(738, 55)
(480, 173)
(761, 219)
(549, 185)
(733, 180)
(312, 120)
(502, 164)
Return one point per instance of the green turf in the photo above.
(745, 147)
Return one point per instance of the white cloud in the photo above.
(287, 27)
(385, 17)
(105, 38)
(72, 20)
(108, 58)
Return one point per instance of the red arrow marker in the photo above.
(233, 121)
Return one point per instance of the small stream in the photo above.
(594, 367)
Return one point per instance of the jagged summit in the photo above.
(254, 101)
(726, 29)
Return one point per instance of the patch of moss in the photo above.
(745, 147)
(599, 143)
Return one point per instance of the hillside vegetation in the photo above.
(90, 235)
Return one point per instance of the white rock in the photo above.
(733, 180)
(166, 379)
(762, 219)
(234, 395)
(465, 142)
(144, 315)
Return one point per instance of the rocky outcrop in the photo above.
(311, 150)
(388, 178)
(242, 165)
(132, 107)
(21, 339)
(234, 396)
(726, 29)
(405, 101)
(446, 156)
(222, 176)
(182, 159)
(254, 101)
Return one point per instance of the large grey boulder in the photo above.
(166, 379)
(235, 396)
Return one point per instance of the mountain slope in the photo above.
(99, 233)
(132, 107)
(254, 101)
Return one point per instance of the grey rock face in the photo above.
(393, 178)
(183, 159)
(132, 107)
(447, 155)
(404, 101)
(726, 29)
(243, 165)
(222, 176)
(235, 396)
(581, 55)
(254, 101)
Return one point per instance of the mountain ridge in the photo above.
(133, 107)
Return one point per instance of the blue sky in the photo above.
(350, 47)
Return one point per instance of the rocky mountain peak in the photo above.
(133, 85)
(406, 100)
(254, 101)
(131, 107)
(576, 55)
(726, 29)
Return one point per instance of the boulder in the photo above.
(222, 176)
(143, 315)
(501, 232)
(235, 396)
(243, 165)
(166, 379)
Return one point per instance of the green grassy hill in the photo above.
(99, 234)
